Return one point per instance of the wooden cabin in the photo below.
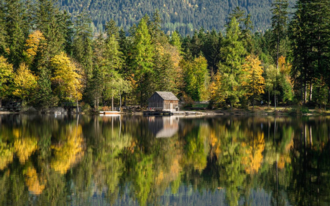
(163, 101)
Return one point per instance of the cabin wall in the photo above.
(155, 102)
(167, 105)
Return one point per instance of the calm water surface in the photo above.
(48, 160)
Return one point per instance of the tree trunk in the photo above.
(275, 99)
(120, 103)
(112, 102)
(310, 136)
(268, 98)
(305, 92)
(0, 102)
(77, 107)
(310, 91)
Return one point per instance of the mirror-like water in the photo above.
(47, 160)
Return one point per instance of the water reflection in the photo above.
(163, 127)
(207, 161)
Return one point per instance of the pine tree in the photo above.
(279, 23)
(82, 44)
(142, 57)
(43, 96)
(230, 67)
(48, 19)
(6, 75)
(17, 29)
(112, 65)
(111, 29)
(3, 32)
(176, 41)
(309, 34)
(96, 87)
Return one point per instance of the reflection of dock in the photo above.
(163, 127)
(174, 113)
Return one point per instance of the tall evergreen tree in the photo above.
(17, 28)
(232, 52)
(82, 43)
(279, 23)
(142, 57)
(111, 29)
(3, 31)
(176, 40)
(48, 19)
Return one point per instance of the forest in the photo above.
(48, 57)
(184, 16)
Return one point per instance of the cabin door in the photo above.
(171, 106)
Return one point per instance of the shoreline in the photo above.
(192, 113)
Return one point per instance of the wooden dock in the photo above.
(169, 113)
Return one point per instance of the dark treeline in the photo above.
(47, 59)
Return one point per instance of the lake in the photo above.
(135, 160)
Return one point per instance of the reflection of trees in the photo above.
(66, 161)
(310, 179)
(68, 151)
(232, 173)
(33, 182)
(253, 152)
(6, 155)
(196, 149)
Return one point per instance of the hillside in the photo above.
(181, 15)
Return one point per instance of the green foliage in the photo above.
(230, 67)
(196, 77)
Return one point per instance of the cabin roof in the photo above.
(167, 96)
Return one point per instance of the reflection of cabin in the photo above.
(163, 127)
(163, 101)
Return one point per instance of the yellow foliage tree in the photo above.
(33, 43)
(253, 80)
(217, 95)
(33, 182)
(67, 153)
(285, 68)
(6, 71)
(66, 77)
(24, 82)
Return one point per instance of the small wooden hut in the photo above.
(163, 101)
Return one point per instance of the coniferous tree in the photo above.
(230, 67)
(17, 28)
(176, 40)
(112, 66)
(279, 23)
(111, 29)
(3, 31)
(82, 44)
(48, 19)
(6, 75)
(142, 57)
(43, 96)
